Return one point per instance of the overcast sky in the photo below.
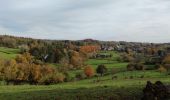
(117, 20)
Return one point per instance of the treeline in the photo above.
(15, 42)
(67, 55)
(162, 65)
(52, 51)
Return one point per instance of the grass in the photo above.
(110, 63)
(87, 89)
(114, 54)
(139, 74)
(8, 53)
(52, 93)
(124, 87)
(117, 89)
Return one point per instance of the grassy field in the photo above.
(87, 89)
(110, 63)
(127, 85)
(55, 93)
(8, 53)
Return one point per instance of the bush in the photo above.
(68, 77)
(157, 91)
(89, 71)
(162, 69)
(131, 77)
(126, 58)
(139, 66)
(80, 76)
(52, 79)
(131, 67)
(157, 66)
(135, 66)
(166, 60)
(142, 76)
(167, 66)
(114, 77)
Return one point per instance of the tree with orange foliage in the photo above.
(89, 71)
(89, 48)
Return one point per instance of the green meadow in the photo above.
(115, 85)
(8, 53)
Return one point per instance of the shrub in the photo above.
(127, 58)
(80, 76)
(89, 71)
(167, 66)
(135, 66)
(166, 60)
(157, 66)
(59, 77)
(131, 67)
(114, 77)
(68, 77)
(52, 78)
(139, 66)
(131, 77)
(142, 76)
(157, 91)
(162, 69)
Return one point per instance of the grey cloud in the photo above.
(130, 20)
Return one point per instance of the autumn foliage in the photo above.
(76, 59)
(162, 69)
(24, 70)
(89, 48)
(89, 71)
(166, 60)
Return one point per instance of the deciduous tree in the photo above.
(89, 71)
(101, 69)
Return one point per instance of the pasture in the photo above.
(116, 84)
(106, 88)
(8, 53)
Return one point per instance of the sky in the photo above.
(109, 20)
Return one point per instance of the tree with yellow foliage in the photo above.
(166, 60)
(76, 60)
